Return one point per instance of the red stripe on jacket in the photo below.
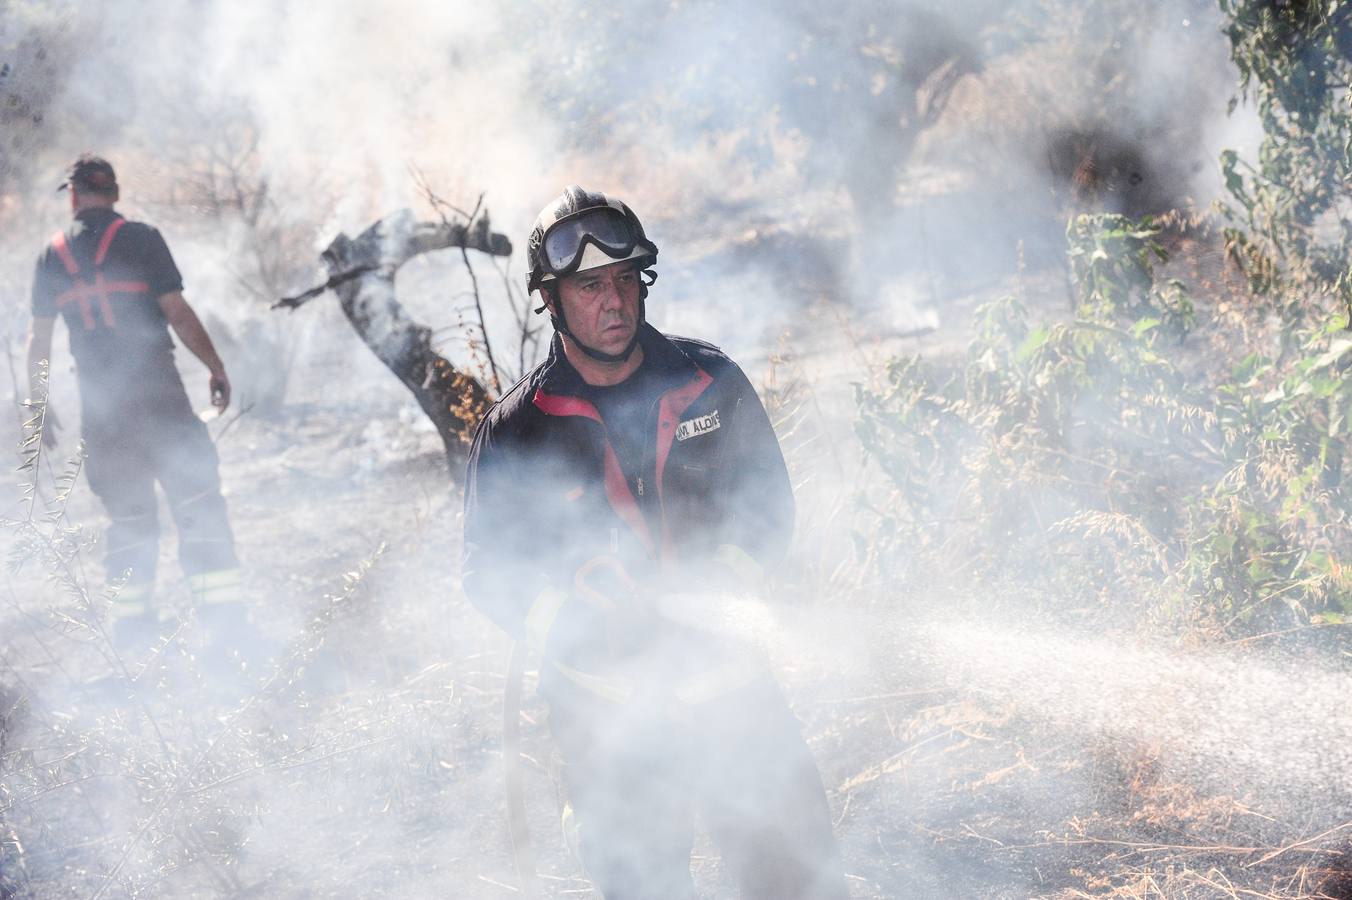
(672, 403)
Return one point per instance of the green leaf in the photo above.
(1258, 572)
(1031, 344)
(1247, 367)
(1324, 387)
(1144, 325)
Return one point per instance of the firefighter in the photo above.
(628, 469)
(115, 284)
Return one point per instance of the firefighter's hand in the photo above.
(629, 619)
(220, 390)
(603, 582)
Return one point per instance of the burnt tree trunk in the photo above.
(362, 272)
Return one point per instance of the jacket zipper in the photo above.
(648, 456)
(654, 416)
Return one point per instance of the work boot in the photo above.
(216, 586)
(134, 624)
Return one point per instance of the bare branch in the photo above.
(362, 273)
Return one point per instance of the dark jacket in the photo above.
(545, 492)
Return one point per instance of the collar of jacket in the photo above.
(97, 215)
(683, 381)
(559, 377)
(94, 220)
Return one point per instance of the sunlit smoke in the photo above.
(882, 166)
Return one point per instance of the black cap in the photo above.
(91, 173)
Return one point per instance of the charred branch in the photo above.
(340, 278)
(362, 272)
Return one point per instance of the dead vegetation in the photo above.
(376, 747)
(1105, 474)
(1065, 506)
(362, 273)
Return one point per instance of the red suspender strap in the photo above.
(63, 250)
(101, 288)
(80, 290)
(101, 291)
(105, 288)
(107, 240)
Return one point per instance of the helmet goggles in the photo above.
(604, 227)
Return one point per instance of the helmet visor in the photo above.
(604, 227)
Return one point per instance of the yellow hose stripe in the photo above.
(742, 564)
(612, 689)
(540, 618)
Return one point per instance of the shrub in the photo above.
(1096, 455)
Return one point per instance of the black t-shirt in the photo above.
(137, 335)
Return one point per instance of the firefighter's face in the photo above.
(601, 305)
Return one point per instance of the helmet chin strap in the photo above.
(561, 326)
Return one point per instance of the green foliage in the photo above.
(1293, 232)
(1086, 454)
(1112, 262)
(1276, 518)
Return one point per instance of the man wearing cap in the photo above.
(616, 498)
(115, 284)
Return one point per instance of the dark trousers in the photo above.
(135, 438)
(636, 775)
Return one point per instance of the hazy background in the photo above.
(891, 155)
(827, 184)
